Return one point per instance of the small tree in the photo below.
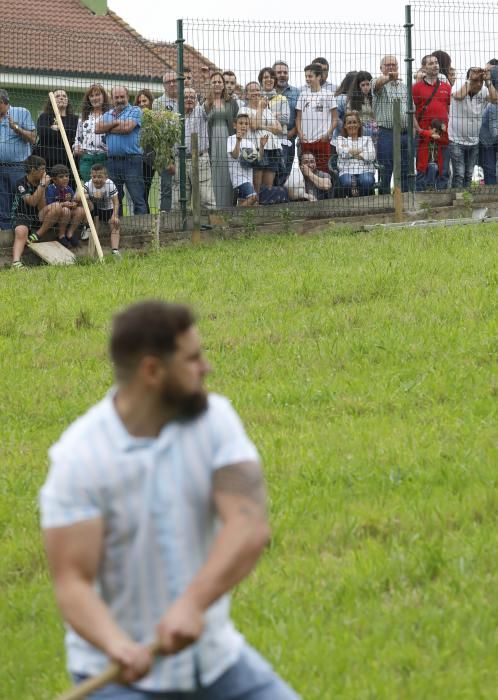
(161, 133)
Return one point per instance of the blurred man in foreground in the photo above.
(154, 509)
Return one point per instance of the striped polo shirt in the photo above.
(382, 103)
(154, 495)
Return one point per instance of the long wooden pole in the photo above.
(398, 197)
(110, 674)
(195, 194)
(76, 176)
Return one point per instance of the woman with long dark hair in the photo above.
(50, 144)
(221, 110)
(144, 100)
(360, 100)
(89, 146)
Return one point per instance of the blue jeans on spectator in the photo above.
(487, 160)
(288, 153)
(127, 170)
(10, 173)
(166, 190)
(364, 183)
(463, 160)
(428, 180)
(385, 156)
(251, 678)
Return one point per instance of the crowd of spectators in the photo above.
(266, 142)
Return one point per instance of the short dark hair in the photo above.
(230, 73)
(424, 59)
(4, 96)
(58, 170)
(146, 328)
(98, 168)
(315, 68)
(33, 163)
(493, 62)
(437, 124)
(270, 71)
(322, 61)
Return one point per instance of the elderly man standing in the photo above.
(385, 89)
(124, 163)
(17, 135)
(169, 102)
(195, 122)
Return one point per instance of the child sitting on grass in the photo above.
(102, 195)
(242, 157)
(73, 214)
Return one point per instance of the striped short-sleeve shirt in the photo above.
(382, 103)
(154, 496)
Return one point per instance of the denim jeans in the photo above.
(128, 171)
(10, 173)
(364, 183)
(427, 180)
(288, 153)
(166, 190)
(487, 160)
(251, 678)
(463, 160)
(385, 156)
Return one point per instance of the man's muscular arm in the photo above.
(240, 498)
(74, 554)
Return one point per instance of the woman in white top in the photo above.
(355, 158)
(264, 126)
(89, 146)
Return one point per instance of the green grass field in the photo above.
(365, 368)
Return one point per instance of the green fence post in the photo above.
(182, 149)
(410, 109)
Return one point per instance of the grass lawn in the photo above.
(365, 368)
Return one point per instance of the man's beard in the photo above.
(186, 406)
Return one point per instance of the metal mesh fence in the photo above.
(462, 36)
(304, 115)
(313, 146)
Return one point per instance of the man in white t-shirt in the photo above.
(469, 99)
(242, 153)
(316, 117)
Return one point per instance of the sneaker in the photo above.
(116, 253)
(18, 265)
(65, 242)
(85, 234)
(34, 237)
(74, 241)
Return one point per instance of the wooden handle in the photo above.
(76, 176)
(110, 674)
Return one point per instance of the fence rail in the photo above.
(352, 56)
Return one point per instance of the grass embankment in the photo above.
(365, 369)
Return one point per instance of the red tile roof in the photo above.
(69, 38)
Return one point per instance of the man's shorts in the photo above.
(245, 190)
(103, 214)
(32, 223)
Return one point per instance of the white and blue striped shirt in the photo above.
(154, 495)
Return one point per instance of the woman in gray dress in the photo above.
(222, 111)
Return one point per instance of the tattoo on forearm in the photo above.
(245, 480)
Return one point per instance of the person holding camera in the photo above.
(469, 100)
